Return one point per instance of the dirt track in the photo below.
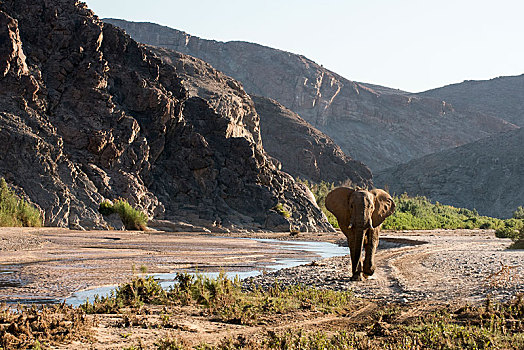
(450, 265)
(446, 266)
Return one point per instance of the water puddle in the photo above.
(8, 276)
(310, 251)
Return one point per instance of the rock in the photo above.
(296, 146)
(486, 175)
(378, 126)
(90, 115)
(277, 222)
(114, 222)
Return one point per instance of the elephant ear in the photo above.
(384, 206)
(337, 202)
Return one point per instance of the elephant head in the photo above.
(360, 214)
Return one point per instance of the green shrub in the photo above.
(106, 208)
(15, 211)
(519, 213)
(513, 228)
(132, 218)
(419, 213)
(279, 208)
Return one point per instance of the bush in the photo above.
(419, 213)
(513, 228)
(519, 213)
(106, 208)
(279, 208)
(15, 211)
(132, 218)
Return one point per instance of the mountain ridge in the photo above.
(486, 175)
(378, 126)
(500, 96)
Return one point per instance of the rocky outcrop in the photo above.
(296, 146)
(304, 151)
(486, 175)
(499, 97)
(88, 114)
(378, 126)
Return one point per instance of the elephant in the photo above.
(360, 214)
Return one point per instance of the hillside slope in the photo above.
(500, 97)
(299, 148)
(87, 114)
(486, 175)
(304, 151)
(378, 126)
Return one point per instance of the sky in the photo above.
(412, 45)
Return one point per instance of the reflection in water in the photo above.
(315, 251)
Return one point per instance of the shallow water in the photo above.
(7, 276)
(314, 250)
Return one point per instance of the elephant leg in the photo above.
(355, 241)
(371, 248)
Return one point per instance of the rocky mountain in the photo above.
(304, 151)
(87, 114)
(501, 97)
(486, 175)
(297, 147)
(378, 126)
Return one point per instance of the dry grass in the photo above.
(40, 327)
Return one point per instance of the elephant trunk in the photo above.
(361, 223)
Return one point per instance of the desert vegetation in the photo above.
(15, 211)
(419, 213)
(132, 218)
(353, 323)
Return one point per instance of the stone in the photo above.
(302, 150)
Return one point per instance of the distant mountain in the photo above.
(88, 114)
(378, 126)
(487, 175)
(299, 148)
(501, 97)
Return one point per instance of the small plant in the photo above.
(106, 208)
(15, 211)
(279, 208)
(39, 327)
(132, 218)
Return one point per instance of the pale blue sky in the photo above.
(407, 44)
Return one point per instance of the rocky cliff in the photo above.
(87, 114)
(304, 151)
(297, 147)
(378, 126)
(486, 175)
(501, 97)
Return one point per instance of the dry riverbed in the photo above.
(416, 270)
(440, 265)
